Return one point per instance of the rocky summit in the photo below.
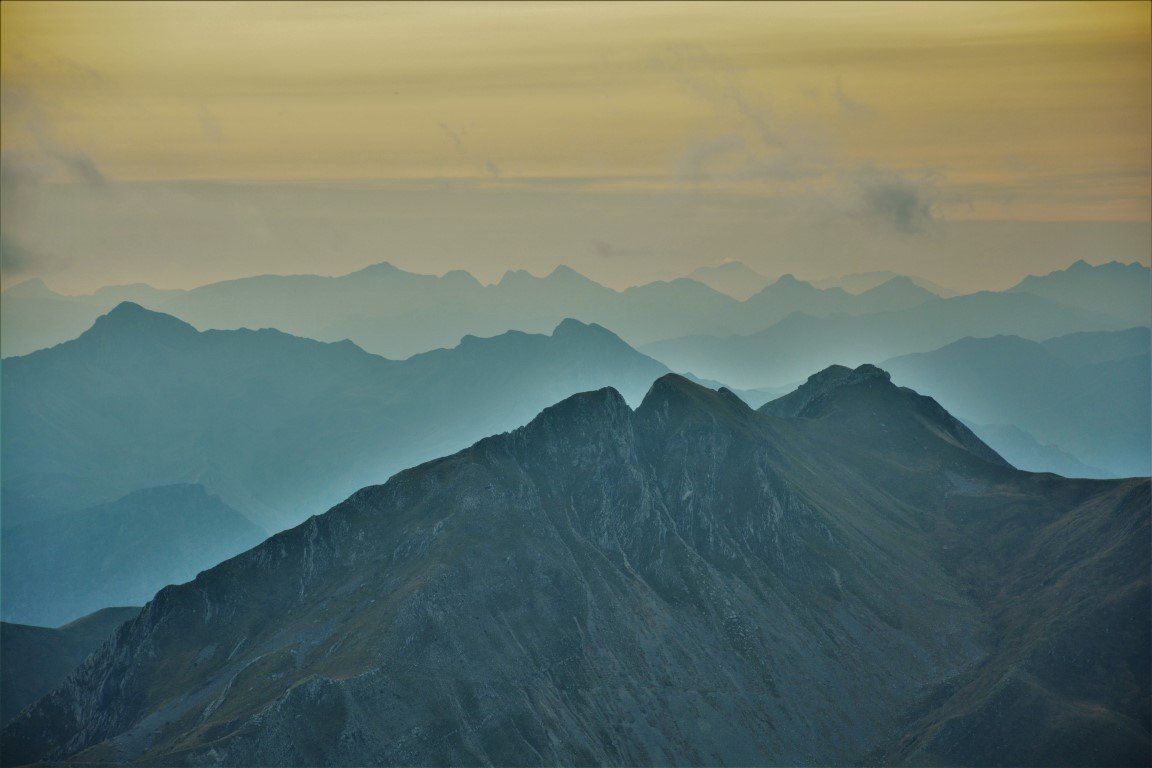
(848, 575)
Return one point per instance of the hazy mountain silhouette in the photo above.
(394, 313)
(1088, 393)
(863, 281)
(1024, 451)
(119, 553)
(690, 582)
(1123, 290)
(37, 659)
(277, 425)
(801, 342)
(733, 278)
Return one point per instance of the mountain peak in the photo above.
(820, 385)
(571, 328)
(31, 287)
(580, 417)
(564, 272)
(128, 317)
(673, 397)
(380, 269)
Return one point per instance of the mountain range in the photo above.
(803, 342)
(858, 282)
(847, 575)
(394, 313)
(274, 424)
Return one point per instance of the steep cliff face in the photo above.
(691, 582)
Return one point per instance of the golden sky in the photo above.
(1008, 110)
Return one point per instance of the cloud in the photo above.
(699, 158)
(606, 250)
(17, 260)
(14, 259)
(894, 200)
(716, 81)
(22, 113)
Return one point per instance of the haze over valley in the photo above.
(629, 384)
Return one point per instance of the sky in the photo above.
(180, 143)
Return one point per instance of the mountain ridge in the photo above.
(475, 603)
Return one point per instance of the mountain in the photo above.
(1100, 347)
(119, 553)
(693, 582)
(274, 424)
(38, 659)
(802, 342)
(391, 312)
(1024, 451)
(1087, 394)
(898, 293)
(1122, 290)
(733, 278)
(860, 282)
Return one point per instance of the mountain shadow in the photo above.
(38, 659)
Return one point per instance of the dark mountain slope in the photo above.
(117, 553)
(692, 582)
(275, 424)
(37, 659)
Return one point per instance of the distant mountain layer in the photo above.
(396, 314)
(1123, 290)
(1087, 393)
(1024, 451)
(119, 553)
(802, 342)
(37, 659)
(278, 426)
(863, 281)
(733, 278)
(854, 580)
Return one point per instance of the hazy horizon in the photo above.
(632, 142)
